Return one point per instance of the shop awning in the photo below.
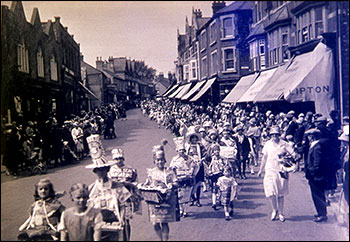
(307, 77)
(241, 87)
(193, 90)
(88, 91)
(176, 92)
(183, 91)
(256, 87)
(206, 86)
(170, 90)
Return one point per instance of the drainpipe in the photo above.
(339, 64)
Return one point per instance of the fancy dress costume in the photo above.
(166, 209)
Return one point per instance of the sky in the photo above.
(140, 30)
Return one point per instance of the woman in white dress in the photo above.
(275, 186)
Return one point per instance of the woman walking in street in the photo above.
(275, 186)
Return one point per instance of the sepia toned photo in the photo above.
(175, 120)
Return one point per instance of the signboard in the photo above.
(227, 152)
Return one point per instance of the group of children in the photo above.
(49, 220)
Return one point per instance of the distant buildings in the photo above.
(249, 37)
(44, 74)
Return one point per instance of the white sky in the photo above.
(141, 30)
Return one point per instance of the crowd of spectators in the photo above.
(58, 144)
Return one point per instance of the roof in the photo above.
(237, 5)
(257, 30)
(90, 69)
(280, 15)
(202, 21)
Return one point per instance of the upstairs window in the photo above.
(214, 63)
(22, 58)
(229, 59)
(193, 64)
(203, 40)
(212, 32)
(227, 27)
(53, 68)
(204, 67)
(318, 22)
(40, 62)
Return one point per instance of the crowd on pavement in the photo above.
(217, 148)
(54, 144)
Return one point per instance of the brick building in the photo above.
(40, 67)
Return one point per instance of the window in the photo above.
(214, 63)
(318, 22)
(212, 32)
(193, 64)
(187, 72)
(22, 58)
(262, 53)
(285, 44)
(304, 28)
(203, 40)
(229, 59)
(40, 62)
(204, 67)
(53, 68)
(227, 27)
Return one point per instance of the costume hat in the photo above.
(97, 152)
(117, 153)
(191, 131)
(275, 130)
(179, 143)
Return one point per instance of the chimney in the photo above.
(81, 57)
(217, 5)
(57, 19)
(197, 13)
(99, 63)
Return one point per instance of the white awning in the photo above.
(176, 92)
(206, 86)
(307, 77)
(241, 87)
(183, 91)
(170, 90)
(193, 90)
(256, 87)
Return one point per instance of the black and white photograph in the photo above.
(175, 121)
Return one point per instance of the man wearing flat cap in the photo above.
(317, 172)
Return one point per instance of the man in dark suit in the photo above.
(317, 172)
(243, 149)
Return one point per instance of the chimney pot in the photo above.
(57, 19)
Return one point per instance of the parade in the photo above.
(238, 131)
(211, 158)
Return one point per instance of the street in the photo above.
(137, 135)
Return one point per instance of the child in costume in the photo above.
(45, 214)
(228, 188)
(81, 222)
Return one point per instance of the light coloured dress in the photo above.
(228, 188)
(274, 184)
(168, 209)
(80, 226)
(184, 174)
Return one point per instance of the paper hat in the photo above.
(192, 132)
(97, 152)
(179, 143)
(117, 153)
(275, 130)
